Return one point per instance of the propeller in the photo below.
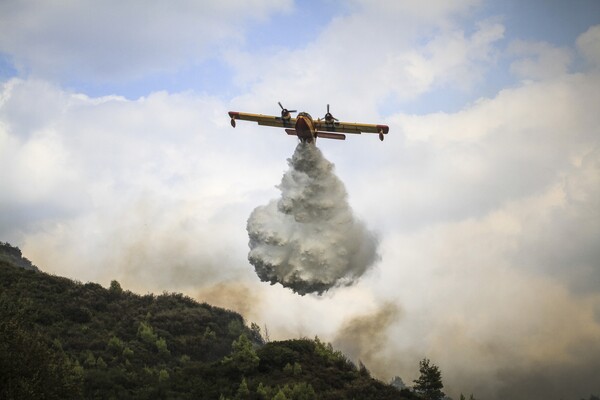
(285, 113)
(329, 118)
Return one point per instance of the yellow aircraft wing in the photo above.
(267, 120)
(350, 127)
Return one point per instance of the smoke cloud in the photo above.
(365, 337)
(237, 296)
(309, 240)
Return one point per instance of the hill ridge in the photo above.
(86, 341)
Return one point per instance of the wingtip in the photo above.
(383, 128)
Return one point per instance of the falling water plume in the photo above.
(309, 240)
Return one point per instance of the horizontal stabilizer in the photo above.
(329, 135)
(291, 132)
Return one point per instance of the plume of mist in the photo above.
(309, 240)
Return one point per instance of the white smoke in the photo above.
(309, 240)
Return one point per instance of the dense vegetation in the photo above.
(61, 339)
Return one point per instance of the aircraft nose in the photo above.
(301, 124)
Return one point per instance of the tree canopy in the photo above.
(429, 384)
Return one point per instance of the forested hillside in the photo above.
(61, 339)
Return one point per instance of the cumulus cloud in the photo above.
(410, 51)
(113, 40)
(133, 187)
(450, 58)
(539, 60)
(588, 45)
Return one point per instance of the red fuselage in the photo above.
(305, 128)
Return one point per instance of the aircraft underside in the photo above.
(308, 130)
(305, 129)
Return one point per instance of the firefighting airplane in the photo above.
(307, 129)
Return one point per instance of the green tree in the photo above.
(184, 359)
(256, 333)
(161, 345)
(127, 352)
(243, 391)
(280, 395)
(90, 360)
(243, 356)
(297, 369)
(146, 333)
(163, 376)
(429, 384)
(303, 391)
(326, 351)
(262, 391)
(100, 363)
(115, 345)
(115, 289)
(288, 369)
(209, 334)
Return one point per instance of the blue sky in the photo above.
(297, 25)
(117, 159)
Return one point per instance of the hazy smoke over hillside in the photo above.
(309, 240)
